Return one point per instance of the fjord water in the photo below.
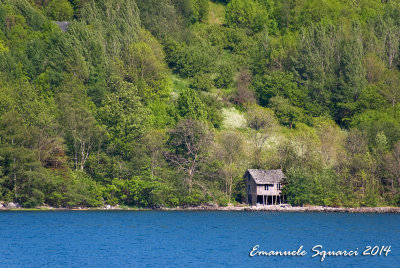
(192, 239)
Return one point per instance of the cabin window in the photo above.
(278, 185)
(267, 186)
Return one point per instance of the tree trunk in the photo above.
(76, 157)
(14, 170)
(230, 187)
(191, 174)
(152, 166)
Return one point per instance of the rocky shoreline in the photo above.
(214, 207)
(287, 208)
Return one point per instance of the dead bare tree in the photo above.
(189, 144)
(81, 129)
(153, 142)
(230, 150)
(244, 95)
(393, 164)
(391, 88)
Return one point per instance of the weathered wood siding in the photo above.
(272, 190)
(254, 190)
(251, 189)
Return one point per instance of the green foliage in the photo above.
(213, 108)
(60, 10)
(116, 24)
(286, 113)
(144, 67)
(124, 117)
(161, 18)
(19, 162)
(201, 82)
(201, 10)
(259, 118)
(81, 191)
(279, 84)
(225, 76)
(191, 106)
(189, 144)
(318, 188)
(186, 60)
(133, 192)
(372, 122)
(248, 14)
(93, 115)
(163, 113)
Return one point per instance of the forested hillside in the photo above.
(167, 102)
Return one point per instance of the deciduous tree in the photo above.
(189, 145)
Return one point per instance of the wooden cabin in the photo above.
(263, 187)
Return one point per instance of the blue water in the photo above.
(192, 239)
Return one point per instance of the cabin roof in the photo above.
(262, 176)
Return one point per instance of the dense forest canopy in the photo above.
(167, 102)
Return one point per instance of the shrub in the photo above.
(225, 77)
(201, 82)
(60, 10)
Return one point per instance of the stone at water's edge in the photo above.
(286, 208)
(9, 205)
(12, 205)
(215, 207)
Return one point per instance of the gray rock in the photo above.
(212, 205)
(63, 25)
(12, 205)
